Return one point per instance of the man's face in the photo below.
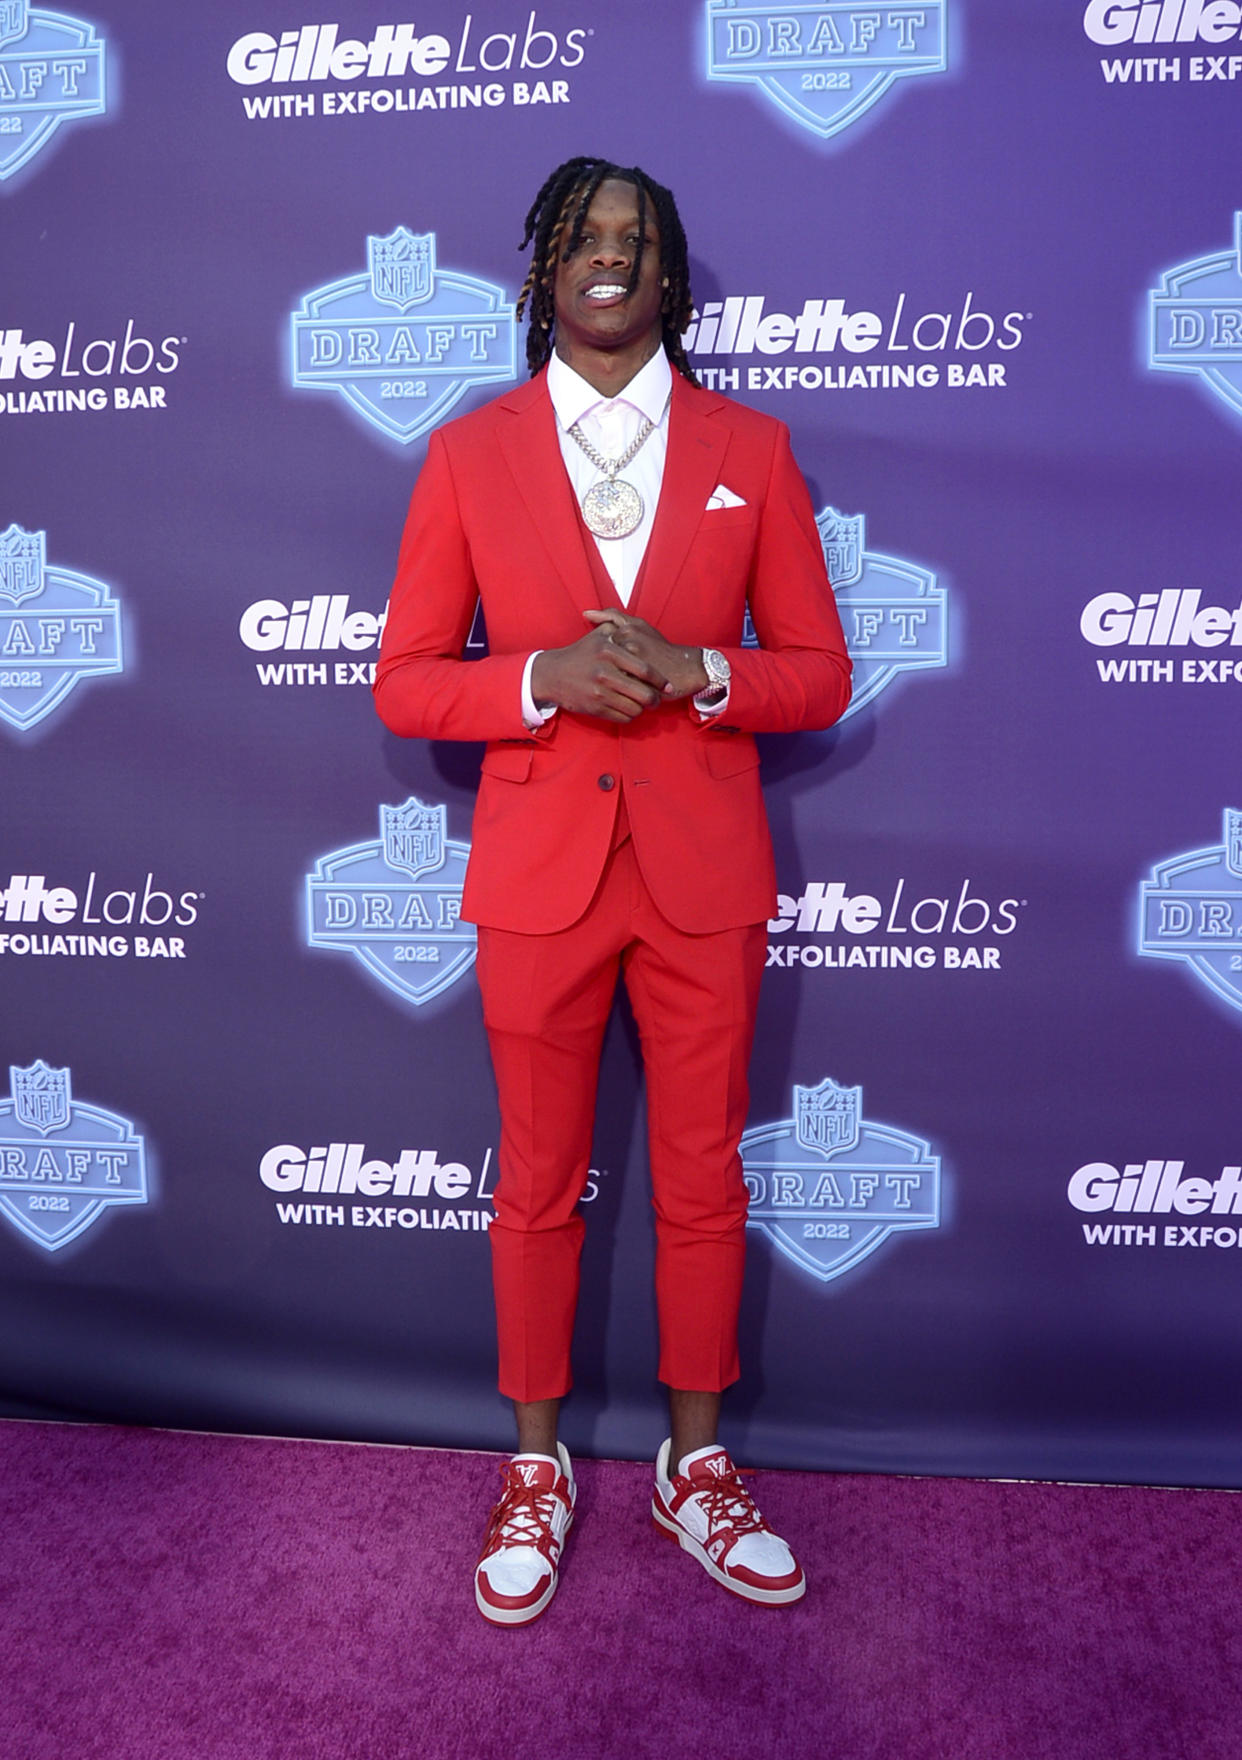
(593, 309)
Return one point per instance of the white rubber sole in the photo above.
(513, 1616)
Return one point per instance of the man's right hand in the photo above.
(596, 676)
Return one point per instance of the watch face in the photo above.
(717, 669)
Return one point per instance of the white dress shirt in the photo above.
(611, 424)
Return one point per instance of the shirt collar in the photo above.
(572, 397)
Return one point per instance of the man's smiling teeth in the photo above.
(609, 291)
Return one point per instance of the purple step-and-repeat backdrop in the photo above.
(986, 261)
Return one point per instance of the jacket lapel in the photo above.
(531, 449)
(692, 469)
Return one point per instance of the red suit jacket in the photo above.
(493, 517)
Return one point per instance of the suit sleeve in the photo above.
(799, 676)
(423, 687)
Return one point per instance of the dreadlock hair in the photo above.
(555, 223)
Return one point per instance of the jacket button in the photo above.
(606, 782)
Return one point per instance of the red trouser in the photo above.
(546, 1001)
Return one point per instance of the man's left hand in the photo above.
(682, 667)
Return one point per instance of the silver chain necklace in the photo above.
(610, 508)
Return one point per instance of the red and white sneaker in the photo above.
(709, 1512)
(516, 1574)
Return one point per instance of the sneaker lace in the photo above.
(523, 1517)
(727, 1504)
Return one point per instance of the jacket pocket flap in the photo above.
(512, 762)
(730, 754)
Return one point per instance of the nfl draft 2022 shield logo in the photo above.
(894, 615)
(1195, 321)
(827, 1186)
(1191, 909)
(51, 71)
(62, 1164)
(56, 628)
(395, 903)
(825, 65)
(403, 342)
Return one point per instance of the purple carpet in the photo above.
(175, 1597)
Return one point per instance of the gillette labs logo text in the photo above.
(72, 360)
(430, 1192)
(318, 52)
(315, 54)
(67, 922)
(1156, 1188)
(1113, 22)
(1176, 617)
(322, 624)
(1170, 25)
(911, 934)
(740, 327)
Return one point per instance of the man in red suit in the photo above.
(616, 521)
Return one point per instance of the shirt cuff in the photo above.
(716, 706)
(532, 714)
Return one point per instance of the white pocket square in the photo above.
(722, 497)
